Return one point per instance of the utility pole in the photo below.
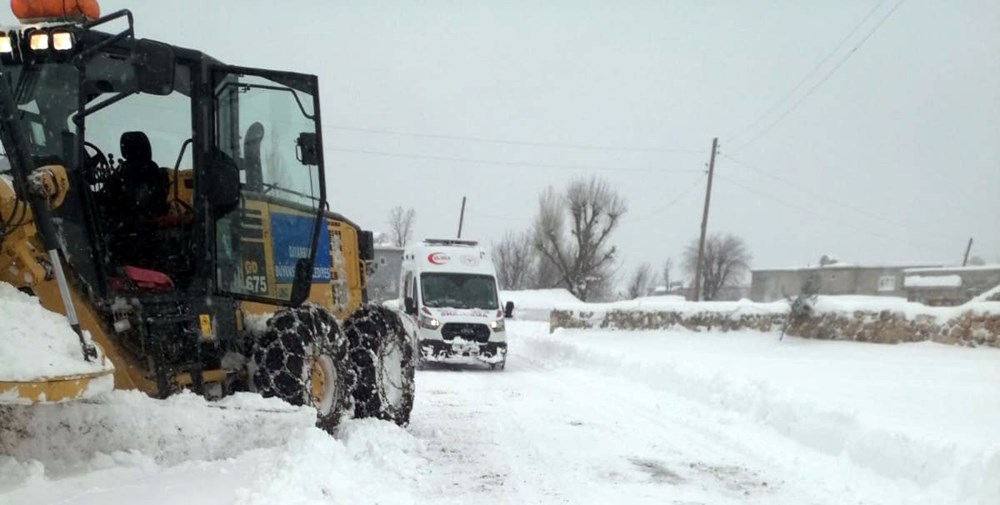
(704, 221)
(461, 218)
(968, 249)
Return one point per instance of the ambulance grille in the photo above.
(468, 331)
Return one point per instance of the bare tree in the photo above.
(515, 259)
(668, 267)
(401, 225)
(641, 282)
(546, 273)
(573, 229)
(725, 263)
(976, 261)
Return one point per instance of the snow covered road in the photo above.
(577, 417)
(537, 435)
(679, 417)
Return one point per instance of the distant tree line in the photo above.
(569, 245)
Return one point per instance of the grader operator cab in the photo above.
(174, 208)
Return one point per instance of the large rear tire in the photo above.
(382, 363)
(301, 358)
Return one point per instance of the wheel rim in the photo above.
(323, 383)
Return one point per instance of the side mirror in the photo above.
(508, 310)
(307, 148)
(409, 306)
(302, 282)
(154, 67)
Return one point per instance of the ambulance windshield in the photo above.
(458, 291)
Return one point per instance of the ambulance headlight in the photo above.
(497, 325)
(6, 45)
(429, 322)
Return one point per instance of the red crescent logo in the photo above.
(438, 258)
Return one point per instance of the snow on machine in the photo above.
(452, 302)
(202, 255)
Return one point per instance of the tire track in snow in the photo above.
(541, 434)
(474, 440)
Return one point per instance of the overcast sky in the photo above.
(893, 157)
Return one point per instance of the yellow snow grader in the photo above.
(174, 209)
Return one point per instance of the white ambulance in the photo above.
(450, 297)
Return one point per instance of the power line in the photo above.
(825, 217)
(808, 74)
(475, 212)
(817, 194)
(510, 163)
(513, 142)
(825, 78)
(673, 201)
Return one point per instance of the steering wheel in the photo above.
(97, 167)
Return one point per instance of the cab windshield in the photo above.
(46, 97)
(458, 291)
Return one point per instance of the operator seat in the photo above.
(136, 197)
(146, 186)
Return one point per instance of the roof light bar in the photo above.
(62, 40)
(39, 41)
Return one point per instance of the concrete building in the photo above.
(383, 279)
(949, 286)
(833, 279)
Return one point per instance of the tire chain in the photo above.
(281, 354)
(368, 332)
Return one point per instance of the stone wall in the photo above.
(664, 319)
(886, 327)
(972, 328)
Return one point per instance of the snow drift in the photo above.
(892, 410)
(125, 447)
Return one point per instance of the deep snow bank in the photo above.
(181, 428)
(925, 413)
(126, 446)
(371, 461)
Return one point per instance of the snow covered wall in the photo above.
(869, 320)
(852, 318)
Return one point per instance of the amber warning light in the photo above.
(42, 10)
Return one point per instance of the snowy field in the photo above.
(578, 417)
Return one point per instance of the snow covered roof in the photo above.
(992, 294)
(859, 266)
(956, 269)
